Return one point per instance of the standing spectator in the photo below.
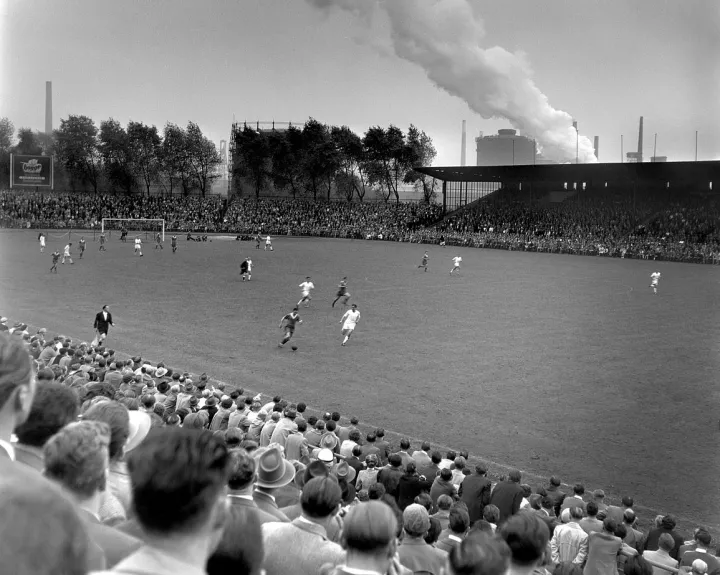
(285, 426)
(422, 457)
(442, 486)
(507, 496)
(410, 486)
(599, 499)
(432, 469)
(369, 447)
(177, 465)
(616, 513)
(274, 472)
(415, 554)
(667, 525)
(481, 554)
(382, 445)
(666, 543)
(458, 525)
(241, 548)
(53, 407)
(390, 475)
(591, 523)
(603, 550)
(302, 547)
(77, 457)
(569, 541)
(702, 551)
(367, 477)
(555, 494)
(634, 537)
(296, 445)
(444, 504)
(576, 499)
(241, 484)
(475, 492)
(403, 452)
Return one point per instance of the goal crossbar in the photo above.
(145, 220)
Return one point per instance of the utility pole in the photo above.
(622, 155)
(696, 142)
(655, 147)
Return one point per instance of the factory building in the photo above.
(507, 148)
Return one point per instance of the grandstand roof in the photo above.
(670, 171)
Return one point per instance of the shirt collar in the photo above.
(148, 560)
(454, 538)
(235, 496)
(354, 571)
(9, 449)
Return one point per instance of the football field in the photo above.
(549, 363)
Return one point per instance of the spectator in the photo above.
(442, 486)
(415, 554)
(667, 525)
(599, 499)
(77, 457)
(53, 407)
(285, 426)
(634, 537)
(432, 469)
(616, 513)
(433, 533)
(422, 457)
(527, 536)
(403, 452)
(296, 445)
(637, 566)
(274, 472)
(301, 546)
(702, 541)
(458, 526)
(661, 556)
(390, 475)
(411, 485)
(354, 462)
(177, 465)
(241, 484)
(507, 496)
(367, 477)
(369, 448)
(569, 543)
(382, 445)
(241, 549)
(591, 523)
(491, 514)
(444, 504)
(352, 441)
(479, 554)
(576, 499)
(603, 550)
(555, 494)
(474, 491)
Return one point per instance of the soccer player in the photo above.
(306, 286)
(290, 320)
(258, 239)
(102, 242)
(81, 246)
(173, 243)
(245, 269)
(442, 241)
(55, 257)
(424, 262)
(268, 243)
(342, 292)
(456, 266)
(123, 234)
(41, 239)
(349, 321)
(66, 254)
(654, 279)
(138, 245)
(158, 241)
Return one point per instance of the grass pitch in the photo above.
(548, 363)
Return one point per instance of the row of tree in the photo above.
(326, 161)
(126, 159)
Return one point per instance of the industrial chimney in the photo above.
(463, 145)
(48, 108)
(596, 147)
(640, 142)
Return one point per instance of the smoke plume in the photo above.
(443, 37)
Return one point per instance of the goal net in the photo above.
(134, 226)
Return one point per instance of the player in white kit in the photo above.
(654, 279)
(268, 243)
(66, 254)
(349, 321)
(138, 246)
(306, 286)
(42, 242)
(456, 265)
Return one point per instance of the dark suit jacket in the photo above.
(242, 503)
(651, 543)
(266, 503)
(115, 544)
(475, 493)
(507, 497)
(100, 324)
(409, 488)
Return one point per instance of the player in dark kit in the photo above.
(257, 241)
(102, 243)
(123, 234)
(55, 257)
(245, 270)
(424, 263)
(290, 320)
(173, 243)
(81, 246)
(342, 292)
(158, 241)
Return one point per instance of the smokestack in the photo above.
(640, 141)
(463, 145)
(48, 108)
(596, 147)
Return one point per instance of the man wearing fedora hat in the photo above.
(303, 545)
(242, 483)
(273, 472)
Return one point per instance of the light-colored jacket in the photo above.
(300, 547)
(569, 544)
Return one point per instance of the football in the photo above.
(294, 348)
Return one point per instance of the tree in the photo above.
(420, 152)
(252, 157)
(287, 153)
(172, 158)
(203, 158)
(28, 143)
(144, 142)
(353, 163)
(7, 135)
(77, 149)
(117, 155)
(320, 159)
(387, 158)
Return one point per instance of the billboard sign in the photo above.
(33, 171)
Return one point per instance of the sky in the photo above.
(360, 64)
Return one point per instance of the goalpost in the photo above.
(146, 224)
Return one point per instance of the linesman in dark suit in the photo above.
(103, 321)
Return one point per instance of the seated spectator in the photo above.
(241, 484)
(444, 504)
(667, 525)
(302, 546)
(274, 472)
(527, 537)
(173, 465)
(241, 549)
(413, 552)
(77, 457)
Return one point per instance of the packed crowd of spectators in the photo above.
(115, 465)
(645, 226)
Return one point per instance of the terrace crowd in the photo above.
(667, 227)
(117, 465)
